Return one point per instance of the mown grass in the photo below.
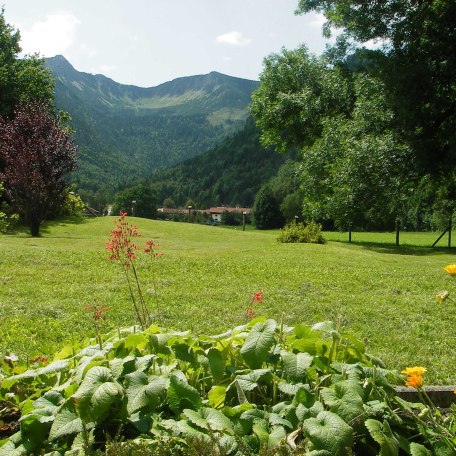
(384, 294)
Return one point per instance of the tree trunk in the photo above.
(35, 227)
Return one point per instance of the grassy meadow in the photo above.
(383, 294)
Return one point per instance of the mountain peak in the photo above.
(119, 126)
(59, 61)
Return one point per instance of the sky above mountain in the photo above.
(148, 42)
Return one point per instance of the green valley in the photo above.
(126, 132)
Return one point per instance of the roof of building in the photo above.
(222, 209)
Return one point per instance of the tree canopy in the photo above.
(139, 201)
(266, 210)
(417, 65)
(36, 153)
(21, 79)
(375, 128)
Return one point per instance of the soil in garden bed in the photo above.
(9, 420)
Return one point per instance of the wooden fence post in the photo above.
(397, 232)
(450, 227)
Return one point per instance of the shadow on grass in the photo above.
(24, 231)
(64, 221)
(390, 248)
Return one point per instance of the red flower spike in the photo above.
(257, 297)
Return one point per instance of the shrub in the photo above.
(72, 206)
(259, 389)
(7, 219)
(298, 232)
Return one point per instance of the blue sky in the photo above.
(148, 42)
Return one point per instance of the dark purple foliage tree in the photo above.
(36, 151)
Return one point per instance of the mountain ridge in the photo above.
(208, 84)
(127, 132)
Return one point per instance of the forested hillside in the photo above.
(127, 132)
(230, 174)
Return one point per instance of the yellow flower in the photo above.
(414, 376)
(451, 269)
(415, 381)
(441, 297)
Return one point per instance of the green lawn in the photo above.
(384, 294)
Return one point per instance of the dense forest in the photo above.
(229, 174)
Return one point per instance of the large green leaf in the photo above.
(383, 435)
(249, 381)
(144, 392)
(419, 450)
(159, 343)
(327, 327)
(276, 420)
(181, 395)
(304, 396)
(209, 419)
(269, 436)
(295, 365)
(258, 343)
(49, 401)
(96, 394)
(52, 368)
(216, 396)
(122, 366)
(303, 412)
(216, 364)
(143, 363)
(328, 432)
(344, 400)
(185, 353)
(135, 341)
(142, 421)
(66, 422)
(289, 388)
(191, 432)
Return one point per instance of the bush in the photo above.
(259, 389)
(298, 232)
(7, 219)
(72, 206)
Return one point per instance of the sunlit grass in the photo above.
(385, 294)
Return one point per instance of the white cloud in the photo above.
(317, 20)
(233, 38)
(50, 36)
(375, 43)
(87, 50)
(103, 69)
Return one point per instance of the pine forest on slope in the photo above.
(228, 175)
(126, 133)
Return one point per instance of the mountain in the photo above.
(230, 174)
(126, 132)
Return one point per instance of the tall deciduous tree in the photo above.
(418, 66)
(21, 79)
(36, 152)
(138, 201)
(266, 210)
(354, 163)
(297, 91)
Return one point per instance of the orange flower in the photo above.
(451, 269)
(414, 376)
